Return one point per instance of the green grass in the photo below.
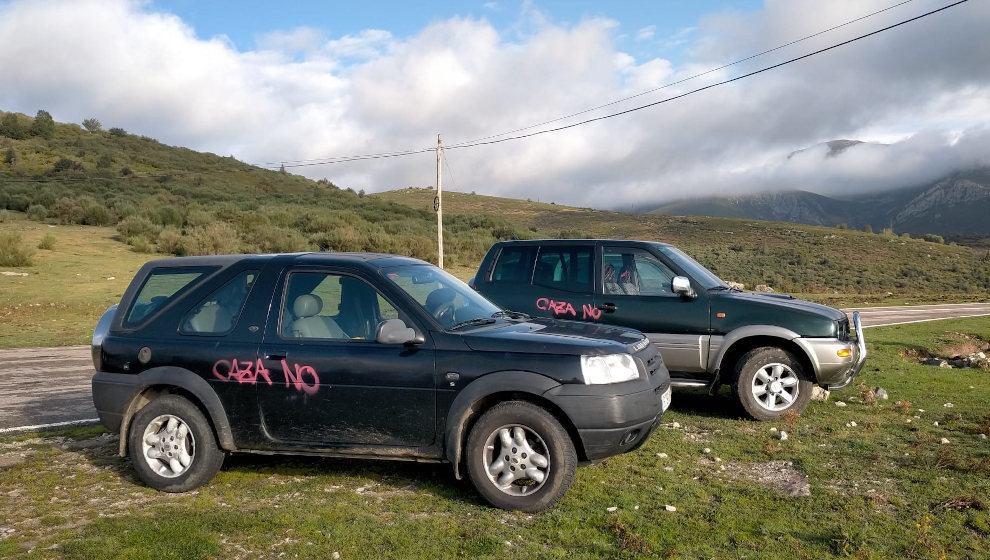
(67, 288)
(884, 488)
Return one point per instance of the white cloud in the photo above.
(646, 33)
(301, 95)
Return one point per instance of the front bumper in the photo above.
(608, 423)
(832, 371)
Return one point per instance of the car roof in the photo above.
(582, 241)
(374, 260)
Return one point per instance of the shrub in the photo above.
(13, 252)
(171, 242)
(97, 215)
(4, 215)
(141, 244)
(218, 238)
(37, 212)
(933, 238)
(118, 132)
(132, 226)
(47, 242)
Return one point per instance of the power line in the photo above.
(737, 78)
(482, 141)
(681, 81)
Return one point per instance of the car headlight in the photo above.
(613, 368)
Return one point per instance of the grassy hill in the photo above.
(828, 264)
(110, 201)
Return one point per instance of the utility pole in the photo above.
(438, 202)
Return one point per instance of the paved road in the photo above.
(886, 316)
(44, 386)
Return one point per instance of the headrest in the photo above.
(307, 305)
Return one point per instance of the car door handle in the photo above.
(274, 356)
(607, 307)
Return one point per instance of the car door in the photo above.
(329, 382)
(636, 292)
(563, 283)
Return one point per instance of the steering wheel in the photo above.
(444, 313)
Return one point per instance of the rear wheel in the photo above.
(771, 381)
(172, 445)
(519, 457)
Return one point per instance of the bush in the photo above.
(933, 238)
(133, 226)
(12, 252)
(97, 215)
(47, 242)
(37, 212)
(171, 242)
(213, 239)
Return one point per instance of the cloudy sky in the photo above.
(310, 82)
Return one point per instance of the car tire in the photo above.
(519, 457)
(770, 381)
(172, 445)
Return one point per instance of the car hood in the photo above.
(784, 303)
(550, 336)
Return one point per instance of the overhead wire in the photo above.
(709, 86)
(484, 140)
(689, 78)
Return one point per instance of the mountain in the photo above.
(955, 205)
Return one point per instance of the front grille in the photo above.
(650, 358)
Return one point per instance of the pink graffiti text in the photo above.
(299, 377)
(559, 308)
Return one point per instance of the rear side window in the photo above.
(514, 266)
(218, 313)
(564, 268)
(161, 287)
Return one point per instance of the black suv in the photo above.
(363, 355)
(771, 348)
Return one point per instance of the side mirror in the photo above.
(681, 285)
(395, 331)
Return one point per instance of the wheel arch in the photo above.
(178, 381)
(488, 391)
(739, 342)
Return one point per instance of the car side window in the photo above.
(515, 265)
(564, 268)
(332, 307)
(630, 271)
(218, 313)
(161, 287)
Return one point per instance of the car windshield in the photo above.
(694, 269)
(448, 300)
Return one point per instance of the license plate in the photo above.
(665, 400)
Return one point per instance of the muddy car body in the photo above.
(363, 355)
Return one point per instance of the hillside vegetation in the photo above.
(161, 200)
(820, 261)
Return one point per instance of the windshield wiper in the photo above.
(478, 321)
(511, 314)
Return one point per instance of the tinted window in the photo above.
(444, 297)
(564, 268)
(162, 285)
(515, 265)
(332, 306)
(632, 271)
(218, 313)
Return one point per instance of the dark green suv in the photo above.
(770, 348)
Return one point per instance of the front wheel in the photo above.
(172, 445)
(519, 457)
(771, 381)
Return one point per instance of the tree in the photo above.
(10, 126)
(92, 125)
(43, 125)
(10, 157)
